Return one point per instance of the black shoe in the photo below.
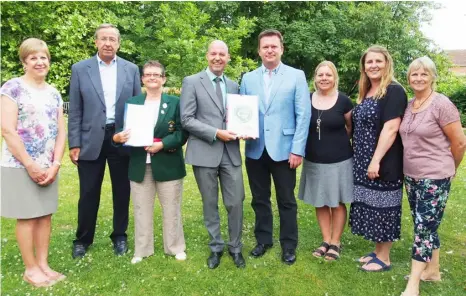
(120, 247)
(259, 250)
(289, 256)
(214, 259)
(79, 250)
(238, 259)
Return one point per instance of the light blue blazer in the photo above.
(284, 121)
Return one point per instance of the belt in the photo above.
(110, 126)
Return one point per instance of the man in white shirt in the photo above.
(99, 88)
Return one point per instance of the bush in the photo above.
(455, 89)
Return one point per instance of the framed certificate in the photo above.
(243, 115)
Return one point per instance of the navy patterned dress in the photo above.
(375, 213)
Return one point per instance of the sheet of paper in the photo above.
(140, 120)
(243, 115)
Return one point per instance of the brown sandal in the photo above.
(319, 251)
(332, 255)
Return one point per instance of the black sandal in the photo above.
(319, 251)
(332, 255)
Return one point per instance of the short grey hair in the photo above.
(106, 26)
(425, 63)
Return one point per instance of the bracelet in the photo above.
(57, 163)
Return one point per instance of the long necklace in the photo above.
(319, 115)
(422, 102)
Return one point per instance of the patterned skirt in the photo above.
(376, 214)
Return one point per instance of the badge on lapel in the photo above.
(171, 126)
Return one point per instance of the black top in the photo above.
(334, 144)
(369, 118)
(392, 106)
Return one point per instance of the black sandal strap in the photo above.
(325, 245)
(335, 248)
(319, 251)
(331, 255)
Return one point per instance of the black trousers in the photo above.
(91, 175)
(259, 175)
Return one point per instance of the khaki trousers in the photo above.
(143, 196)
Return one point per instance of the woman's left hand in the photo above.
(373, 170)
(51, 175)
(156, 147)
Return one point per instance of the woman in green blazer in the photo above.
(157, 169)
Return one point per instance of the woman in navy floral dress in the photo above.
(375, 213)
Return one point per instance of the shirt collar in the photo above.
(101, 62)
(212, 76)
(274, 71)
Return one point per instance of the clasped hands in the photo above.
(42, 177)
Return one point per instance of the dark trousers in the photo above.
(259, 175)
(91, 175)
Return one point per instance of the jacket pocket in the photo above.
(288, 131)
(85, 127)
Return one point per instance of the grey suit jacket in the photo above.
(201, 115)
(87, 113)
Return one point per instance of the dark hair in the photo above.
(153, 63)
(267, 33)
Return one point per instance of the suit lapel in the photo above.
(121, 77)
(205, 81)
(278, 79)
(94, 74)
(260, 78)
(231, 87)
(163, 110)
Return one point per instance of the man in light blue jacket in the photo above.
(284, 116)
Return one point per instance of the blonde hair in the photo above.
(334, 72)
(387, 76)
(428, 65)
(30, 46)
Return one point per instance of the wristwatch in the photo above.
(57, 163)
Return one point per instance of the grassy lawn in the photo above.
(102, 273)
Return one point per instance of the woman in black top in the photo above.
(375, 212)
(326, 179)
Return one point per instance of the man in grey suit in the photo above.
(213, 151)
(99, 88)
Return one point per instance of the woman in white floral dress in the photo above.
(33, 131)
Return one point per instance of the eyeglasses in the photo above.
(155, 75)
(111, 40)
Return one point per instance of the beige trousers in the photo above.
(143, 196)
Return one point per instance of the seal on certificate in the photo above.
(243, 113)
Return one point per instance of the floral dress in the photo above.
(37, 121)
(376, 210)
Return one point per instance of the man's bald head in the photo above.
(217, 56)
(217, 44)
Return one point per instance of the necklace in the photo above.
(319, 115)
(422, 102)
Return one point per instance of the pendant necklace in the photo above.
(319, 115)
(422, 102)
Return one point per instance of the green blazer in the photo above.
(168, 163)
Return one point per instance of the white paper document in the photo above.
(243, 115)
(140, 120)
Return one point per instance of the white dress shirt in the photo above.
(108, 76)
